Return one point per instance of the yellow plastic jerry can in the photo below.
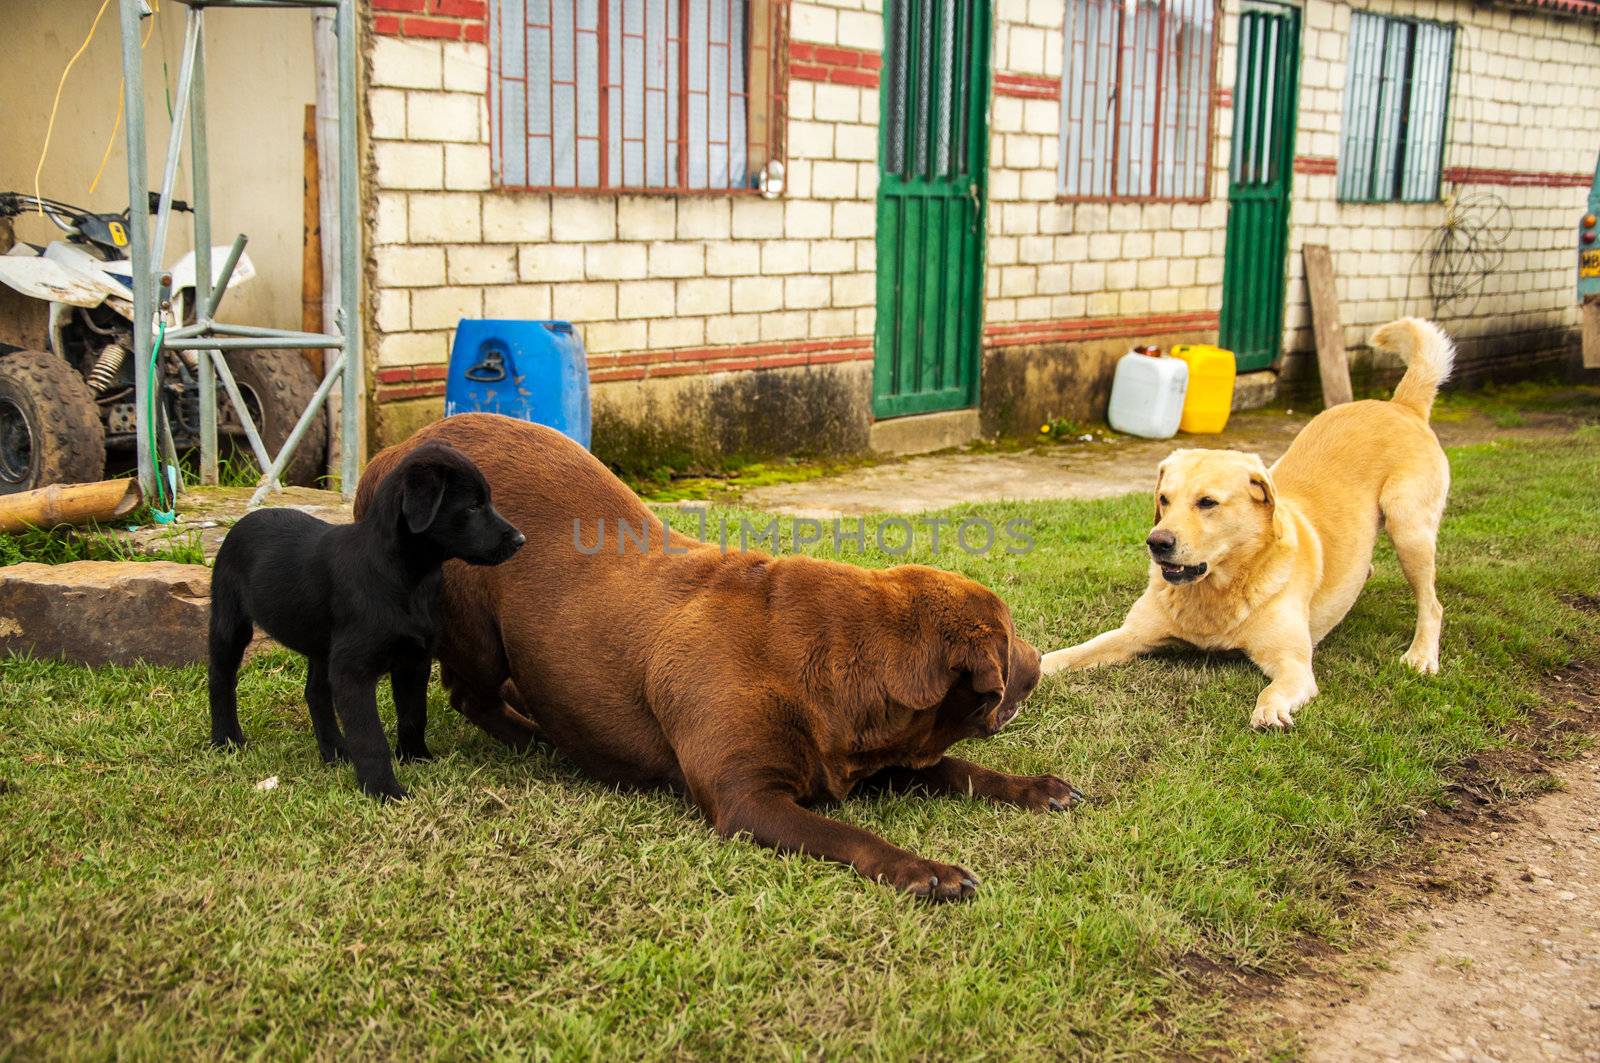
(1210, 397)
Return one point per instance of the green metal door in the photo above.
(1265, 97)
(931, 162)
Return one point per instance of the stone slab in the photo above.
(106, 612)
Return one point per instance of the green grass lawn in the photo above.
(157, 904)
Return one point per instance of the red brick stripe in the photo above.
(474, 9)
(1575, 7)
(1027, 86)
(1471, 175)
(405, 374)
(398, 383)
(445, 20)
(841, 66)
(1020, 333)
(607, 368)
(1466, 175)
(1316, 164)
(421, 391)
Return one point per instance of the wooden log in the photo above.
(311, 241)
(1591, 334)
(68, 504)
(1332, 361)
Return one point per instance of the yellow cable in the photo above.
(110, 142)
(121, 103)
(50, 128)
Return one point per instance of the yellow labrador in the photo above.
(1269, 561)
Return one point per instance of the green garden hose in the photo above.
(166, 513)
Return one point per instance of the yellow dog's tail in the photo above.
(1429, 355)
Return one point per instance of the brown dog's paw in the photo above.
(1045, 793)
(930, 879)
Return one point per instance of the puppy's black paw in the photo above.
(228, 741)
(420, 751)
(386, 791)
(333, 754)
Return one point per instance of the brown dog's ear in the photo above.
(984, 658)
(917, 676)
(930, 632)
(1263, 490)
(920, 677)
(422, 492)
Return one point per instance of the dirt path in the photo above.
(1508, 972)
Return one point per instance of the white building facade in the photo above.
(825, 226)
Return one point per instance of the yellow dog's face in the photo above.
(1211, 506)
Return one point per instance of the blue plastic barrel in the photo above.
(532, 370)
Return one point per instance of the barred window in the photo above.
(635, 95)
(1396, 99)
(1136, 98)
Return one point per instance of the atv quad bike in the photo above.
(67, 390)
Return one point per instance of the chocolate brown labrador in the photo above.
(754, 685)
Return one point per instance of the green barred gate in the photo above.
(932, 157)
(1265, 97)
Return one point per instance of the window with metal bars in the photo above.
(636, 95)
(1396, 101)
(930, 84)
(1136, 99)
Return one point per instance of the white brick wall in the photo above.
(648, 273)
(1053, 260)
(1518, 102)
(1127, 259)
(637, 272)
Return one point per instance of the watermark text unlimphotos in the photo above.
(895, 536)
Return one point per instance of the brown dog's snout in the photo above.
(1161, 542)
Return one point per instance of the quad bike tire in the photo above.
(278, 385)
(50, 430)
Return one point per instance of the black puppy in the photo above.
(358, 600)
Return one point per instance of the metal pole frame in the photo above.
(138, 237)
(207, 336)
(200, 198)
(349, 323)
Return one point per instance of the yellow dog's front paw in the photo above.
(1277, 717)
(1422, 660)
(1056, 661)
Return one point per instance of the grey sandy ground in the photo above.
(209, 513)
(934, 481)
(1508, 976)
(1082, 470)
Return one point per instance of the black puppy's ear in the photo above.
(421, 495)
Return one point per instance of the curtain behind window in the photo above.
(1396, 99)
(1136, 98)
(547, 87)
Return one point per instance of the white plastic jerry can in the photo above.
(1147, 394)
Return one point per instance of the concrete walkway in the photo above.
(1100, 469)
